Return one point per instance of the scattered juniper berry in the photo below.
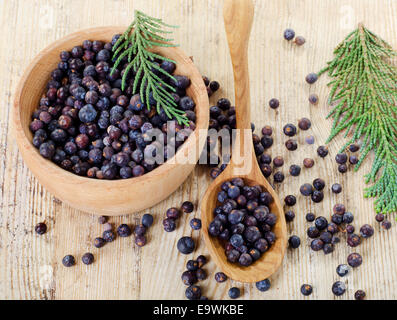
(342, 270)
(306, 289)
(195, 224)
(338, 288)
(263, 285)
(185, 245)
(40, 228)
(87, 258)
(68, 261)
(234, 293)
(311, 78)
(289, 34)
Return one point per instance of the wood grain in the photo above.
(238, 17)
(277, 69)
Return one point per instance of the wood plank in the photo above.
(277, 68)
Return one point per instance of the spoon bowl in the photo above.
(238, 16)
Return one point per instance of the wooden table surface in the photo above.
(30, 265)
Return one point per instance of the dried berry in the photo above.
(317, 196)
(294, 242)
(354, 147)
(139, 230)
(342, 168)
(341, 158)
(354, 260)
(326, 237)
(173, 213)
(192, 265)
(267, 131)
(185, 245)
(306, 289)
(328, 248)
(201, 260)
(313, 99)
(290, 200)
(386, 224)
(304, 124)
(87, 258)
(353, 240)
(313, 232)
(195, 224)
(291, 145)
(339, 209)
(214, 86)
(193, 293)
(187, 207)
(220, 277)
(321, 223)
(359, 295)
(274, 103)
(289, 216)
(309, 140)
(108, 235)
(40, 228)
(68, 261)
(189, 278)
(289, 34)
(267, 142)
(342, 270)
(234, 293)
(289, 130)
(278, 161)
(366, 231)
(322, 151)
(310, 217)
(353, 160)
(245, 259)
(311, 78)
(317, 245)
(140, 241)
(201, 274)
(299, 40)
(263, 285)
(318, 184)
(350, 228)
(337, 219)
(278, 177)
(147, 220)
(308, 163)
(124, 230)
(99, 242)
(348, 217)
(338, 288)
(306, 189)
(380, 217)
(336, 188)
(294, 170)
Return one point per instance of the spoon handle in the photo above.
(238, 16)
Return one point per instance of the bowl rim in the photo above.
(25, 143)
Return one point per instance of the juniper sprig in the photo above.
(364, 102)
(134, 44)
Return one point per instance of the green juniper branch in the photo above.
(134, 44)
(364, 102)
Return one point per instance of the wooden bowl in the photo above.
(105, 197)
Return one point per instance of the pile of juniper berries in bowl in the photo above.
(87, 125)
(243, 221)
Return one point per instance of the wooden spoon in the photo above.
(238, 16)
